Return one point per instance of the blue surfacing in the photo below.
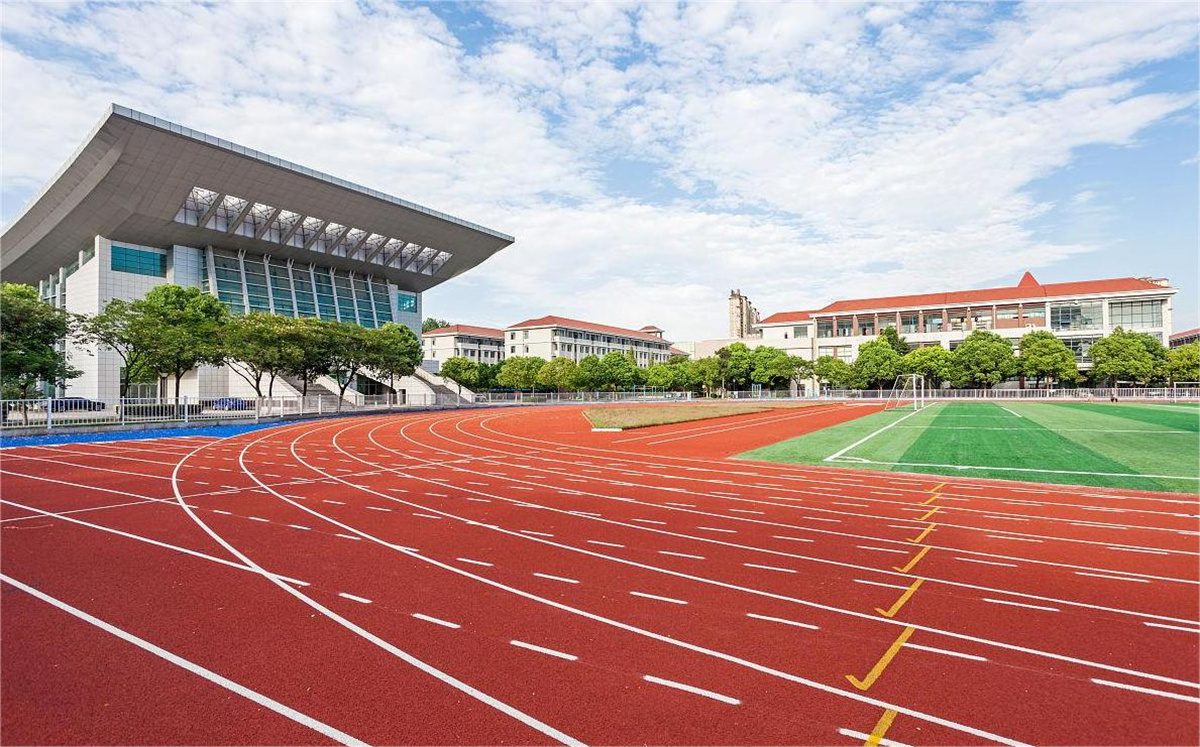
(212, 431)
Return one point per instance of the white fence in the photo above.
(49, 414)
(1164, 394)
(553, 398)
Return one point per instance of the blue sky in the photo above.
(649, 158)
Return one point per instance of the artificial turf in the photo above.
(1121, 445)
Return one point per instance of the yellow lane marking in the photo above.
(865, 684)
(931, 512)
(932, 498)
(891, 611)
(881, 727)
(916, 559)
(937, 487)
(923, 534)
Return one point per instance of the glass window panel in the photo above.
(825, 329)
(1133, 314)
(1077, 315)
(345, 299)
(307, 230)
(255, 219)
(197, 203)
(362, 295)
(408, 302)
(226, 213)
(138, 262)
(281, 290)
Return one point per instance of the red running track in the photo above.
(509, 577)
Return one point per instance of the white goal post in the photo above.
(907, 388)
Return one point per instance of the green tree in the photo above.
(933, 362)
(708, 373)
(259, 345)
(186, 326)
(558, 374)
(432, 322)
(877, 364)
(1183, 363)
(894, 340)
(313, 341)
(737, 366)
(462, 371)
(983, 360)
(1045, 356)
(773, 368)
(30, 334)
(588, 373)
(487, 377)
(1127, 356)
(618, 371)
(396, 352)
(520, 372)
(114, 329)
(836, 373)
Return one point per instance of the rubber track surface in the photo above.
(509, 577)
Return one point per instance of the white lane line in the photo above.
(818, 518)
(1019, 604)
(1005, 518)
(348, 536)
(474, 562)
(681, 554)
(855, 505)
(427, 516)
(1146, 690)
(769, 568)
(987, 562)
(537, 534)
(931, 649)
(768, 618)
(692, 690)
(714, 529)
(605, 544)
(745, 511)
(351, 597)
(219, 511)
(881, 549)
(436, 621)
(258, 518)
(339, 503)
(556, 578)
(1173, 627)
(378, 508)
(649, 521)
(1012, 412)
(1114, 578)
(479, 500)
(1139, 549)
(518, 487)
(792, 539)
(1014, 539)
(681, 505)
(655, 596)
(196, 669)
(869, 436)
(547, 651)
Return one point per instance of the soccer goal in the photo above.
(908, 390)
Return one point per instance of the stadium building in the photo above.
(1079, 313)
(145, 202)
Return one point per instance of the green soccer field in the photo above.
(1122, 445)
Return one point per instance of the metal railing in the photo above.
(1168, 394)
(534, 398)
(50, 414)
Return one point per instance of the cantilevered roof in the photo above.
(144, 180)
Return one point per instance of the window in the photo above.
(1038, 313)
(981, 319)
(1077, 315)
(824, 329)
(1006, 315)
(841, 352)
(908, 323)
(1129, 314)
(845, 327)
(1080, 346)
(866, 329)
(801, 331)
(138, 262)
(933, 323)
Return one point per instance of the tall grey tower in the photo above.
(742, 316)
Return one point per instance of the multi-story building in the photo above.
(144, 202)
(558, 337)
(479, 344)
(742, 316)
(1186, 337)
(1079, 313)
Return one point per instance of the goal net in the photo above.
(908, 391)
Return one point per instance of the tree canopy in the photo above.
(30, 334)
(432, 322)
(1045, 357)
(1183, 363)
(185, 325)
(1127, 356)
(894, 340)
(983, 360)
(877, 364)
(933, 362)
(519, 372)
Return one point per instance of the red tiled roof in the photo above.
(676, 351)
(561, 321)
(787, 316)
(1028, 288)
(465, 329)
(1186, 333)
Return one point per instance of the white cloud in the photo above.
(808, 151)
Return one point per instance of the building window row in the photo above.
(247, 283)
(138, 262)
(1135, 314)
